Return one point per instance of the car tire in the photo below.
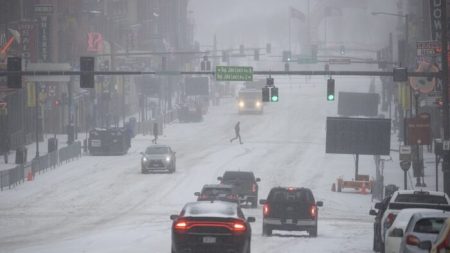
(267, 230)
(313, 231)
(249, 248)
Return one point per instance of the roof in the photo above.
(431, 213)
(435, 193)
(218, 186)
(158, 146)
(219, 209)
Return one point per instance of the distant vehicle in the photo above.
(442, 242)
(291, 209)
(221, 192)
(245, 185)
(215, 226)
(250, 101)
(111, 141)
(422, 227)
(158, 158)
(403, 199)
(395, 232)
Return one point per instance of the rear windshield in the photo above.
(283, 195)
(216, 191)
(208, 209)
(157, 150)
(238, 175)
(421, 198)
(429, 225)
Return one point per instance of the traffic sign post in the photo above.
(405, 165)
(405, 153)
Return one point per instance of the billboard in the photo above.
(358, 104)
(364, 136)
(197, 86)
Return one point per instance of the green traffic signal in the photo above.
(330, 90)
(274, 98)
(330, 97)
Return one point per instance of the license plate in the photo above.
(209, 239)
(96, 143)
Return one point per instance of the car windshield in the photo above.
(250, 95)
(216, 191)
(157, 150)
(429, 225)
(421, 198)
(238, 176)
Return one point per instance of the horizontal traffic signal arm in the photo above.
(273, 73)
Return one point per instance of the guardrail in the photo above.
(12, 177)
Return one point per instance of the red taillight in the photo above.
(412, 240)
(239, 227)
(254, 188)
(390, 219)
(181, 225)
(313, 211)
(266, 210)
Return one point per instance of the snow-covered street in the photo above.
(104, 204)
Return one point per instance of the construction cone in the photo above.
(30, 176)
(333, 187)
(363, 189)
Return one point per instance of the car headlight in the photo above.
(258, 104)
(168, 159)
(144, 159)
(241, 104)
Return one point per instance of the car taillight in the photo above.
(412, 240)
(266, 210)
(181, 226)
(442, 245)
(313, 211)
(254, 188)
(389, 220)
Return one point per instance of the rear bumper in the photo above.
(194, 244)
(147, 167)
(290, 224)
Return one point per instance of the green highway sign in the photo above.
(234, 73)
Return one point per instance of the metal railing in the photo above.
(12, 177)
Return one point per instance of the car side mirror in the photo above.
(251, 219)
(319, 203)
(219, 178)
(378, 205)
(426, 245)
(174, 216)
(258, 179)
(197, 194)
(262, 201)
(373, 212)
(396, 232)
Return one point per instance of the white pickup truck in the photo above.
(412, 199)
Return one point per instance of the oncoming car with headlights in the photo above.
(158, 158)
(250, 101)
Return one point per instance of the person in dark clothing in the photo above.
(6, 148)
(155, 133)
(237, 130)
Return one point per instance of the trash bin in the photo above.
(21, 155)
(52, 144)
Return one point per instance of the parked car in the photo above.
(403, 199)
(442, 242)
(222, 192)
(381, 208)
(245, 185)
(211, 226)
(395, 232)
(291, 209)
(158, 158)
(422, 227)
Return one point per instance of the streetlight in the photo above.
(374, 13)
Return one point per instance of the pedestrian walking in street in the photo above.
(155, 133)
(237, 130)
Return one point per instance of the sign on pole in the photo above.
(234, 73)
(418, 130)
(405, 153)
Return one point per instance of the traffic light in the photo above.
(274, 95)
(56, 103)
(268, 48)
(342, 50)
(286, 67)
(330, 89)
(14, 81)
(87, 72)
(287, 56)
(266, 94)
(256, 55)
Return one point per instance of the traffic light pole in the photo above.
(444, 78)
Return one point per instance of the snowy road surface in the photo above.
(104, 204)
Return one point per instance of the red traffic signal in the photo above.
(56, 103)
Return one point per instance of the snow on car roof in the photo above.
(211, 209)
(217, 186)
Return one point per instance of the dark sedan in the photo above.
(214, 226)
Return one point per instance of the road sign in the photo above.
(234, 73)
(405, 153)
(405, 165)
(418, 130)
(340, 61)
(428, 48)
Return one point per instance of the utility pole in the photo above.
(444, 78)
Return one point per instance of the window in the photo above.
(429, 225)
(421, 198)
